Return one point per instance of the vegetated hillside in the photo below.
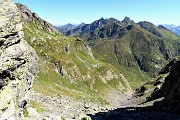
(159, 31)
(67, 65)
(162, 98)
(138, 49)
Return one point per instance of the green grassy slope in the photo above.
(137, 52)
(142, 47)
(67, 66)
(118, 53)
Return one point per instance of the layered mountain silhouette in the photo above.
(141, 47)
(66, 27)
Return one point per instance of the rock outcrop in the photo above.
(168, 87)
(128, 21)
(18, 63)
(29, 16)
(163, 103)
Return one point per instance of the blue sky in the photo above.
(59, 12)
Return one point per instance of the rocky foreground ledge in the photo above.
(18, 63)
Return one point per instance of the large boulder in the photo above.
(18, 63)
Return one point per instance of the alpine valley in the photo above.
(106, 70)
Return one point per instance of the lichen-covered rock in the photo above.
(30, 113)
(18, 63)
(83, 117)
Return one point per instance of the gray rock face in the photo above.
(18, 63)
(128, 21)
(169, 88)
(29, 16)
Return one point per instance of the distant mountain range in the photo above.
(68, 27)
(173, 28)
(141, 47)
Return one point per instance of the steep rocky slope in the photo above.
(68, 71)
(18, 63)
(168, 87)
(163, 101)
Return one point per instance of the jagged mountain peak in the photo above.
(128, 21)
(101, 19)
(139, 35)
(86, 28)
(103, 22)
